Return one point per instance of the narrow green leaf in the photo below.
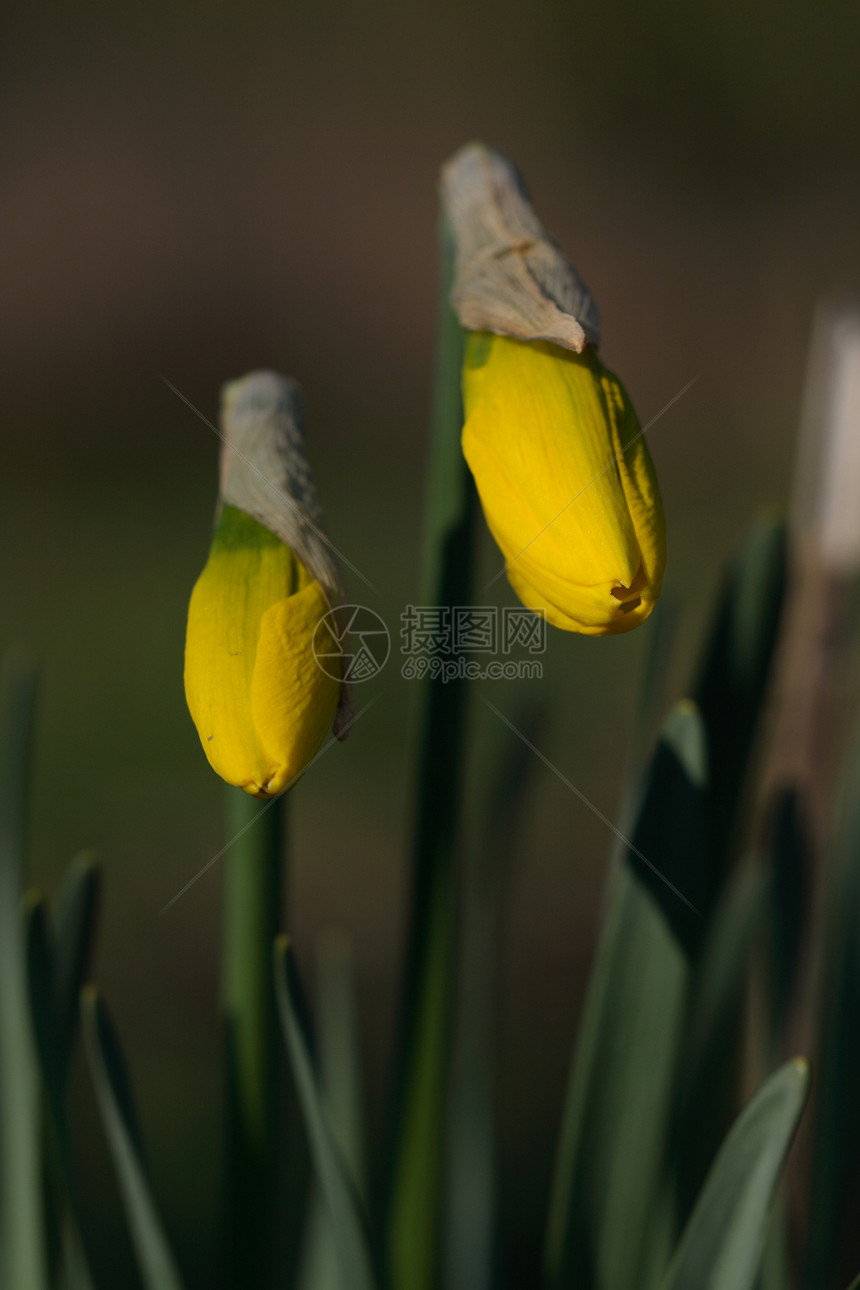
(609, 1172)
(76, 922)
(339, 1060)
(668, 841)
(662, 1236)
(720, 974)
(40, 951)
(65, 1211)
(349, 1227)
(774, 1273)
(340, 1077)
(732, 686)
(662, 631)
(22, 1224)
(722, 1244)
(705, 1105)
(626, 1100)
(791, 867)
(511, 775)
(76, 1273)
(836, 1156)
(113, 1093)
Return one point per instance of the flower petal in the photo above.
(293, 701)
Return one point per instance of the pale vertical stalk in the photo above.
(414, 1233)
(253, 887)
(825, 553)
(814, 696)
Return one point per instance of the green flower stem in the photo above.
(414, 1238)
(252, 906)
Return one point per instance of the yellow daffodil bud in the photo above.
(559, 460)
(566, 482)
(259, 701)
(256, 694)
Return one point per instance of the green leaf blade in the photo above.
(113, 1094)
(836, 1153)
(22, 1221)
(340, 1077)
(609, 1194)
(733, 684)
(706, 1101)
(77, 919)
(722, 1244)
(336, 1185)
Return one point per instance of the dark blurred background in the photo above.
(197, 190)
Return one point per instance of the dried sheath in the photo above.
(510, 277)
(265, 473)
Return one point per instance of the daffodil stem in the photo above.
(252, 908)
(426, 1006)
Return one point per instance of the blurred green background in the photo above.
(196, 191)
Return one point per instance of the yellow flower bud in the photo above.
(260, 702)
(259, 613)
(565, 480)
(563, 472)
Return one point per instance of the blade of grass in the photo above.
(348, 1224)
(22, 1229)
(413, 1201)
(608, 1176)
(722, 1244)
(113, 1094)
